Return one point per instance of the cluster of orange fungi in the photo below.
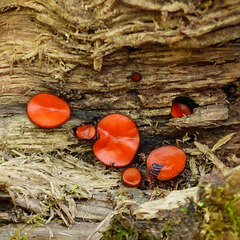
(117, 138)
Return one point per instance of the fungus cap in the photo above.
(47, 110)
(86, 131)
(180, 110)
(166, 161)
(136, 77)
(132, 177)
(118, 140)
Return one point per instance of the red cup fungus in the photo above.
(180, 110)
(132, 177)
(86, 131)
(47, 110)
(136, 77)
(165, 163)
(118, 140)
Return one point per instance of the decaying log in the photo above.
(166, 213)
(85, 52)
(53, 231)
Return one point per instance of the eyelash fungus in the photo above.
(86, 132)
(47, 110)
(136, 77)
(132, 177)
(118, 140)
(165, 163)
(180, 110)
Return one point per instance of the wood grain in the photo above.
(85, 52)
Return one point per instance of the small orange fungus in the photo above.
(165, 163)
(47, 110)
(180, 109)
(118, 140)
(136, 77)
(132, 177)
(86, 131)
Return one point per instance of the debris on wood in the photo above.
(222, 141)
(209, 154)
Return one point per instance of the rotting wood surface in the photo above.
(85, 52)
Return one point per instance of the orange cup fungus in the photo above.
(180, 110)
(118, 140)
(165, 163)
(47, 110)
(86, 131)
(136, 77)
(132, 177)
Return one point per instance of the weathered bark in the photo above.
(85, 52)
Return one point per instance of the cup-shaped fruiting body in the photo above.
(87, 131)
(165, 163)
(180, 110)
(47, 110)
(132, 177)
(118, 140)
(136, 77)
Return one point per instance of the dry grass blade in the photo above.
(222, 141)
(209, 154)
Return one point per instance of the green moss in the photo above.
(220, 210)
(125, 228)
(205, 4)
(168, 228)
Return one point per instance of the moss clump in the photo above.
(220, 208)
(123, 227)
